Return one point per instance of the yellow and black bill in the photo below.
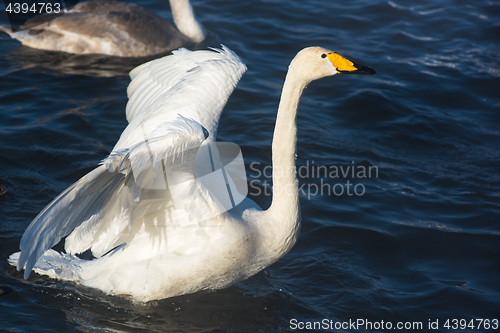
(345, 66)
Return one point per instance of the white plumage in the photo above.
(153, 225)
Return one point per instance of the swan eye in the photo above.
(323, 55)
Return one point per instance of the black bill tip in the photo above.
(360, 69)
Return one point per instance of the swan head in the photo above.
(313, 63)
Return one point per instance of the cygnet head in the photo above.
(314, 62)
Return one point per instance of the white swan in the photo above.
(114, 28)
(136, 234)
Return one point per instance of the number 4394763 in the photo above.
(472, 324)
(37, 8)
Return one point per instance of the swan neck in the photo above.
(285, 203)
(185, 20)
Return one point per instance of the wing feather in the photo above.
(98, 208)
(73, 206)
(174, 104)
(205, 79)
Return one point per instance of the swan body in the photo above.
(145, 243)
(113, 28)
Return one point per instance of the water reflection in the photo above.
(62, 63)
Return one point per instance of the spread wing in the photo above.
(174, 106)
(197, 83)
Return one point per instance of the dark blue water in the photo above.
(418, 242)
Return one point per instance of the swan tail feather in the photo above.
(55, 265)
(6, 29)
